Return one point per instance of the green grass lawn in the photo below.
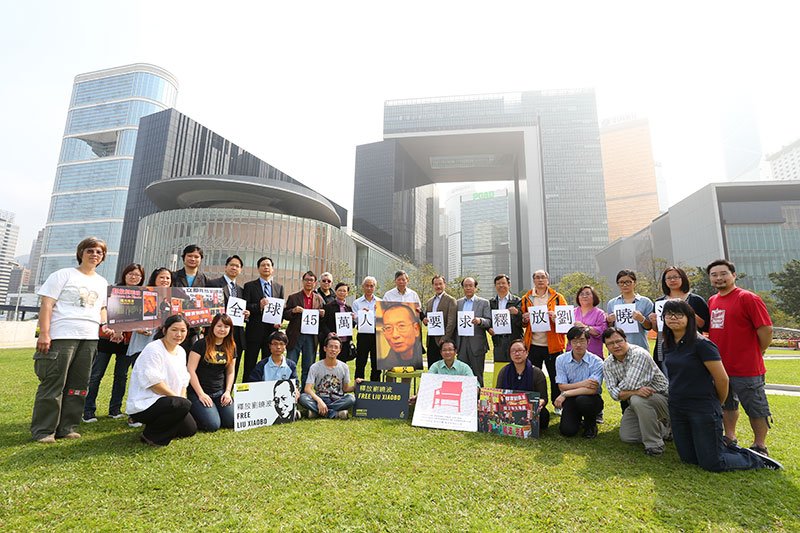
(371, 475)
(783, 372)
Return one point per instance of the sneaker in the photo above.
(133, 423)
(557, 411)
(768, 461)
(654, 452)
(89, 418)
(730, 443)
(590, 432)
(49, 439)
(344, 415)
(116, 415)
(599, 419)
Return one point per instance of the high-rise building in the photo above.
(741, 141)
(9, 233)
(546, 143)
(630, 175)
(785, 163)
(33, 262)
(94, 168)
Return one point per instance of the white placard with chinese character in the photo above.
(465, 326)
(565, 318)
(309, 323)
(539, 318)
(235, 310)
(344, 324)
(366, 321)
(435, 324)
(501, 321)
(623, 318)
(659, 314)
(273, 311)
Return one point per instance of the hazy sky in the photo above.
(301, 84)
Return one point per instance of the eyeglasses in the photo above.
(615, 343)
(625, 283)
(307, 280)
(402, 327)
(674, 316)
(579, 340)
(94, 251)
(326, 281)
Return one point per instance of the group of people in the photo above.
(173, 394)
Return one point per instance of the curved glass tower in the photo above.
(94, 169)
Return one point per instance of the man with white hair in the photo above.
(365, 341)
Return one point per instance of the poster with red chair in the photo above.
(447, 402)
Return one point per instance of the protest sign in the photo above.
(131, 308)
(565, 318)
(539, 318)
(465, 326)
(659, 314)
(447, 402)
(508, 412)
(501, 321)
(623, 318)
(344, 324)
(375, 399)
(273, 311)
(435, 324)
(399, 343)
(309, 323)
(235, 310)
(366, 321)
(263, 403)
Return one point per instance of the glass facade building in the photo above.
(755, 225)
(546, 142)
(94, 167)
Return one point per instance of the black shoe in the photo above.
(590, 432)
(730, 443)
(654, 452)
(768, 461)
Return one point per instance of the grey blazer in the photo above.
(477, 343)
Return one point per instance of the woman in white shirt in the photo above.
(157, 392)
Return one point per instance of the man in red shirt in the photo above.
(742, 330)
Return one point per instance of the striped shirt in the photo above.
(637, 370)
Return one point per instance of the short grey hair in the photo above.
(370, 278)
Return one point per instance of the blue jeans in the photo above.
(305, 344)
(99, 366)
(334, 406)
(211, 418)
(698, 440)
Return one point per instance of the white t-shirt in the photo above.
(154, 365)
(79, 299)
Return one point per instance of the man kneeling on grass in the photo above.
(328, 381)
(579, 374)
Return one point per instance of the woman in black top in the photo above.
(211, 366)
(698, 387)
(675, 284)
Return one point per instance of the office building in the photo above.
(785, 163)
(189, 185)
(9, 233)
(546, 143)
(630, 176)
(756, 225)
(33, 262)
(94, 167)
(741, 141)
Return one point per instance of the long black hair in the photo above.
(678, 306)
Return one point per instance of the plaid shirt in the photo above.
(637, 370)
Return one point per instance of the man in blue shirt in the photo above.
(277, 366)
(579, 375)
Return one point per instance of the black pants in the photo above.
(538, 355)
(167, 419)
(579, 411)
(544, 419)
(365, 345)
(257, 342)
(434, 351)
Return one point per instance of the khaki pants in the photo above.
(63, 374)
(646, 421)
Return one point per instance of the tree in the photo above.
(699, 282)
(787, 288)
(420, 281)
(570, 283)
(341, 271)
(780, 318)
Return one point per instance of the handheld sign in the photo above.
(539, 318)
(309, 323)
(273, 311)
(501, 321)
(660, 314)
(344, 324)
(509, 413)
(435, 324)
(366, 321)
(565, 318)
(263, 403)
(447, 402)
(623, 318)
(235, 310)
(465, 326)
